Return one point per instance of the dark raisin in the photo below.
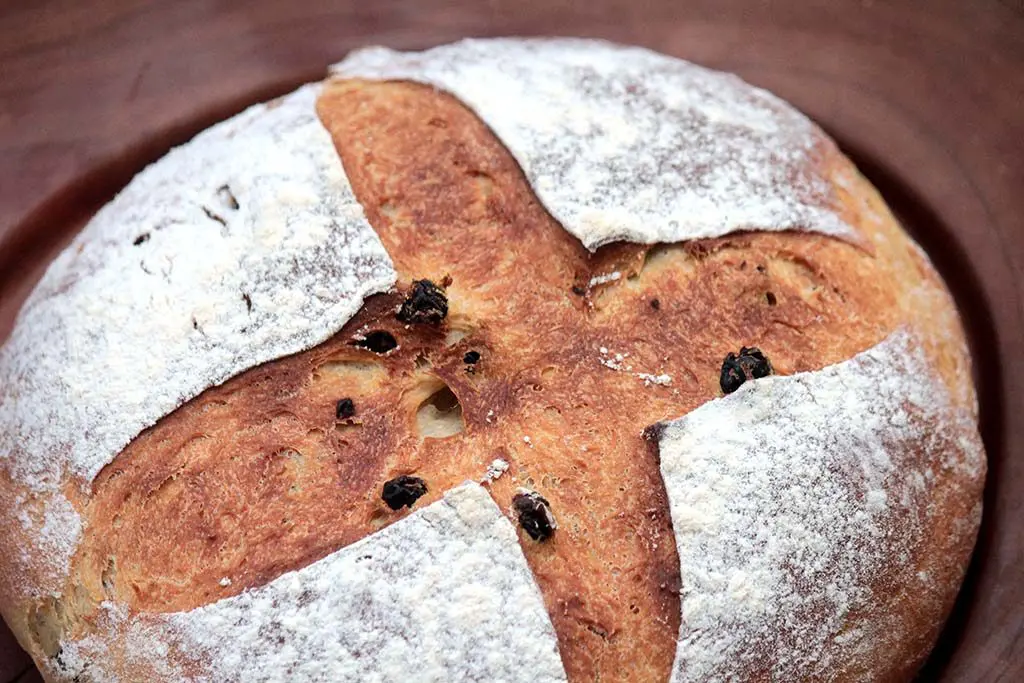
(578, 291)
(737, 369)
(754, 363)
(377, 341)
(534, 513)
(403, 491)
(732, 374)
(426, 303)
(345, 409)
(471, 357)
(141, 238)
(656, 304)
(770, 297)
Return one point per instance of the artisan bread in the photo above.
(520, 360)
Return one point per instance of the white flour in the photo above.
(621, 143)
(783, 497)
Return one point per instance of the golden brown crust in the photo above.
(258, 477)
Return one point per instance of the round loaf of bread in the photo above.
(511, 360)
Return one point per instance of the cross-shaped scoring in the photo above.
(259, 476)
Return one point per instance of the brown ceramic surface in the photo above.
(927, 97)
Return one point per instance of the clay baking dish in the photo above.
(929, 101)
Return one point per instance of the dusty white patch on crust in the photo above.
(51, 528)
(783, 497)
(173, 288)
(242, 246)
(497, 468)
(442, 595)
(662, 380)
(604, 279)
(59, 534)
(621, 143)
(118, 651)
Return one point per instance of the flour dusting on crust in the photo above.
(51, 528)
(621, 143)
(442, 595)
(245, 245)
(791, 496)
